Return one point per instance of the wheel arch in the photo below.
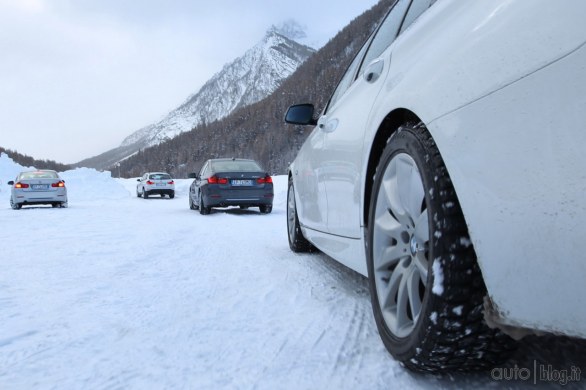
(388, 126)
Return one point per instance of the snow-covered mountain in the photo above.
(246, 80)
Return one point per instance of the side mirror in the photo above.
(10, 183)
(192, 175)
(300, 114)
(137, 179)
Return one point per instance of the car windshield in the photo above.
(39, 175)
(160, 176)
(235, 166)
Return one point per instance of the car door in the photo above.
(309, 186)
(200, 180)
(142, 181)
(344, 125)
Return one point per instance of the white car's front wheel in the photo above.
(426, 287)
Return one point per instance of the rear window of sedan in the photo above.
(38, 175)
(235, 166)
(160, 176)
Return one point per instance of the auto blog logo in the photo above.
(538, 373)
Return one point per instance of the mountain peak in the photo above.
(289, 28)
(244, 81)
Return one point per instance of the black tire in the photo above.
(243, 207)
(203, 209)
(449, 332)
(55, 205)
(191, 204)
(172, 195)
(297, 242)
(145, 194)
(266, 208)
(138, 195)
(15, 206)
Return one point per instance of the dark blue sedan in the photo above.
(225, 182)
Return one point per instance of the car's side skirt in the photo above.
(348, 251)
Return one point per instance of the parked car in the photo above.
(448, 167)
(155, 183)
(37, 188)
(224, 182)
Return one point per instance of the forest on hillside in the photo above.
(258, 131)
(28, 161)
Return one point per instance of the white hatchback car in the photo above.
(159, 183)
(448, 167)
(36, 188)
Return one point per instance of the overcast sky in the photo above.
(78, 76)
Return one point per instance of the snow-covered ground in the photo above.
(118, 292)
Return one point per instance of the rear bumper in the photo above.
(36, 198)
(159, 191)
(40, 202)
(252, 198)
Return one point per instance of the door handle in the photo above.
(327, 125)
(374, 70)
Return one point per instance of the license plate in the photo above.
(160, 184)
(241, 183)
(40, 186)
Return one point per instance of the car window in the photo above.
(235, 166)
(415, 10)
(202, 173)
(160, 176)
(39, 175)
(348, 77)
(386, 33)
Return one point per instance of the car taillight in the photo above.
(217, 180)
(171, 182)
(150, 183)
(58, 184)
(263, 180)
(21, 185)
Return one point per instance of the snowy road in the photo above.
(118, 292)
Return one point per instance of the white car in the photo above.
(159, 183)
(38, 188)
(448, 167)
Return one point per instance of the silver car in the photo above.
(159, 183)
(38, 187)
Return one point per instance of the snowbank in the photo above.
(8, 171)
(86, 184)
